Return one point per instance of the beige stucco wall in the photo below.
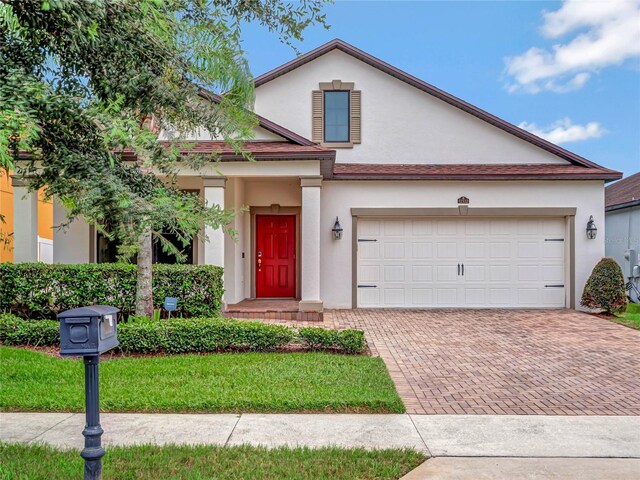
(339, 197)
(400, 124)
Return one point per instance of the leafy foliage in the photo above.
(605, 288)
(37, 290)
(348, 341)
(195, 335)
(86, 81)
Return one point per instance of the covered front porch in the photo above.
(271, 255)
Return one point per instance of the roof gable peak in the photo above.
(403, 76)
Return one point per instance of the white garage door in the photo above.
(428, 262)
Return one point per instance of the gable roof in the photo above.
(343, 46)
(622, 194)
(264, 122)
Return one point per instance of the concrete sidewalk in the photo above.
(436, 435)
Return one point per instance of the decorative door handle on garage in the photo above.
(459, 270)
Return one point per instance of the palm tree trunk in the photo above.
(144, 292)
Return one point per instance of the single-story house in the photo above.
(440, 203)
(622, 227)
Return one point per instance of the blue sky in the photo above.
(500, 56)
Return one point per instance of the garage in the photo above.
(461, 262)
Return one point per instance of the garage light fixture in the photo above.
(592, 230)
(337, 230)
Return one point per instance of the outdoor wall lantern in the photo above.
(337, 230)
(592, 230)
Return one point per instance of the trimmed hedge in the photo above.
(190, 335)
(349, 341)
(38, 290)
(605, 289)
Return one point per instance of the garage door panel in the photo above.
(422, 228)
(394, 250)
(500, 249)
(507, 263)
(447, 297)
(474, 273)
(394, 274)
(421, 297)
(421, 273)
(394, 228)
(553, 249)
(499, 273)
(552, 273)
(447, 250)
(421, 250)
(528, 250)
(369, 250)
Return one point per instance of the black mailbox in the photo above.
(88, 330)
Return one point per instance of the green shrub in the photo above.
(190, 335)
(605, 288)
(16, 331)
(37, 290)
(349, 341)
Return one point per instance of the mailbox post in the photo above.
(90, 331)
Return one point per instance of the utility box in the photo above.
(631, 263)
(88, 330)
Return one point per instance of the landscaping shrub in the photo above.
(349, 341)
(38, 290)
(16, 331)
(605, 288)
(190, 335)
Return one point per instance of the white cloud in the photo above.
(565, 131)
(606, 33)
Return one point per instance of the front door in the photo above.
(275, 256)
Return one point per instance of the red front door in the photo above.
(275, 256)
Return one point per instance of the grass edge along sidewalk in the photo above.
(148, 462)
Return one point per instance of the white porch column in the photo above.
(310, 247)
(214, 245)
(25, 222)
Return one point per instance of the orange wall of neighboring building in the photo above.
(45, 215)
(6, 210)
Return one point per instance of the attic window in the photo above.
(336, 114)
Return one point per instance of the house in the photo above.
(622, 228)
(441, 204)
(43, 229)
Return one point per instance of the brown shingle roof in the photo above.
(259, 149)
(625, 191)
(367, 171)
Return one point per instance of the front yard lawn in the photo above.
(631, 317)
(225, 382)
(206, 462)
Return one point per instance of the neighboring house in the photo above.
(441, 203)
(622, 227)
(43, 228)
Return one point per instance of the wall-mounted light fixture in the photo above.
(337, 230)
(592, 230)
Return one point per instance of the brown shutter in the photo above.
(356, 111)
(317, 116)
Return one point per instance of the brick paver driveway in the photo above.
(504, 361)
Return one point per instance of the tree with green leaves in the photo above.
(81, 80)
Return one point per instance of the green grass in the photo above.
(631, 317)
(19, 461)
(229, 382)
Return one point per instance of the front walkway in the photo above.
(435, 435)
(505, 362)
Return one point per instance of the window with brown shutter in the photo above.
(336, 115)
